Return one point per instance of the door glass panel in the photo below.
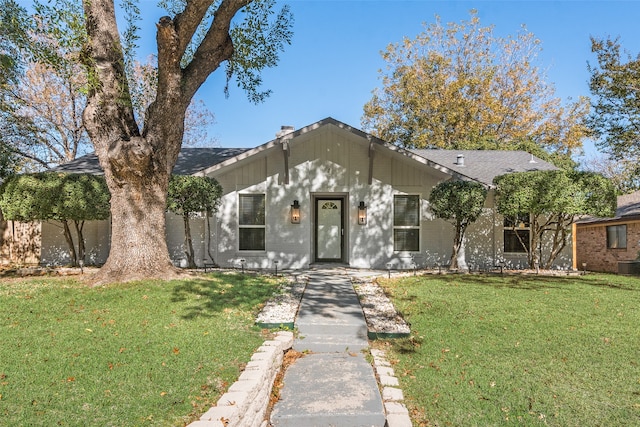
(329, 244)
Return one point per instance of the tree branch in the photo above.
(109, 109)
(216, 47)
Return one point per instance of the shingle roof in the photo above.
(628, 205)
(628, 208)
(191, 160)
(480, 165)
(485, 165)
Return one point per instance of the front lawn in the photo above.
(519, 350)
(148, 353)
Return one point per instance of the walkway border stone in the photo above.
(245, 403)
(392, 397)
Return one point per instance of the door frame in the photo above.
(343, 200)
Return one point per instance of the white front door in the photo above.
(329, 230)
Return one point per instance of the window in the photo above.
(617, 237)
(251, 222)
(406, 223)
(517, 234)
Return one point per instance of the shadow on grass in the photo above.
(543, 282)
(213, 294)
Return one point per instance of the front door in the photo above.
(329, 229)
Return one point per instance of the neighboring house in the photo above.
(329, 193)
(604, 243)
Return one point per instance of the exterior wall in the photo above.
(591, 246)
(333, 162)
(97, 240)
(176, 239)
(55, 250)
(324, 162)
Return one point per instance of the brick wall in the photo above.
(591, 246)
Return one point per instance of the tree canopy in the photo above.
(194, 39)
(459, 85)
(460, 203)
(552, 201)
(189, 195)
(615, 89)
(67, 198)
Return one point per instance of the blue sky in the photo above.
(331, 67)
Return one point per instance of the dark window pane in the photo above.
(617, 237)
(513, 244)
(251, 209)
(406, 239)
(406, 211)
(251, 239)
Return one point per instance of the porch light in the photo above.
(295, 212)
(362, 214)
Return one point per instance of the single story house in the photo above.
(611, 244)
(328, 193)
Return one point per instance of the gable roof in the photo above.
(479, 165)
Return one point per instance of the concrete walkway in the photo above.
(333, 385)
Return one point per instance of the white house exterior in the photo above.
(329, 170)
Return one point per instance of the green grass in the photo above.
(148, 353)
(522, 350)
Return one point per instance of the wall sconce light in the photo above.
(362, 214)
(295, 212)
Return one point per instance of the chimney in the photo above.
(285, 130)
(460, 160)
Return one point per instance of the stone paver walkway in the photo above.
(333, 385)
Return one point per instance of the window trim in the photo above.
(262, 226)
(522, 224)
(618, 234)
(417, 227)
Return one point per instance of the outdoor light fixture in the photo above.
(295, 212)
(362, 214)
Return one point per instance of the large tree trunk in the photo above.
(137, 165)
(138, 242)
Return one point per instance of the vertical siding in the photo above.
(55, 250)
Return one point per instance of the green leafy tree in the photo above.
(193, 41)
(460, 203)
(615, 89)
(70, 199)
(553, 201)
(189, 195)
(454, 86)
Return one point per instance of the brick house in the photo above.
(609, 244)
